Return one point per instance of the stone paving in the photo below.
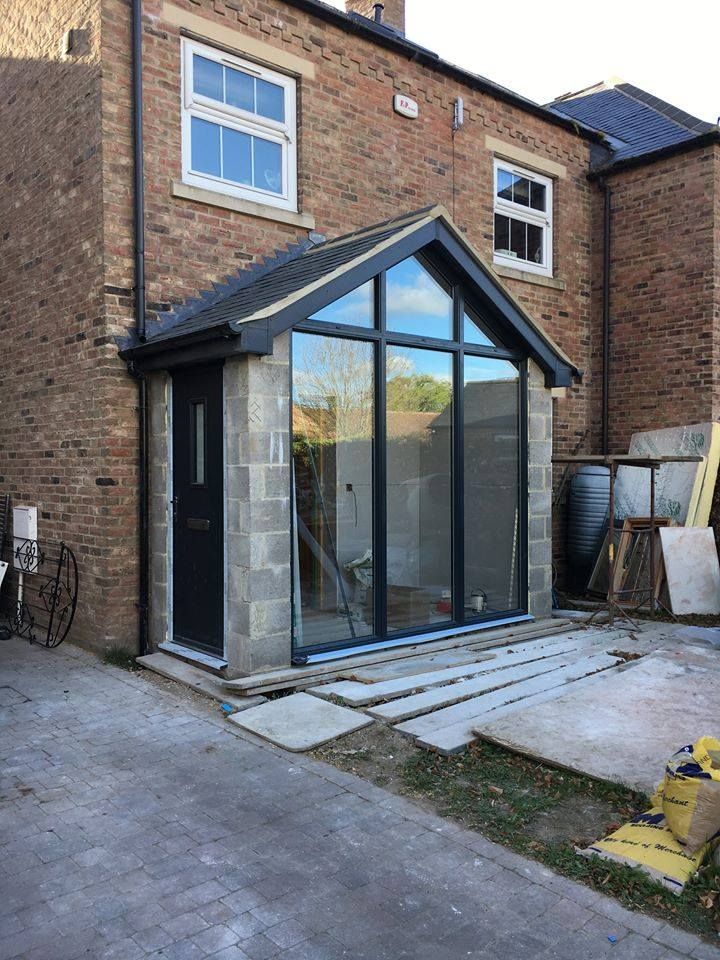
(135, 822)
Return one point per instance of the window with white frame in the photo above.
(523, 219)
(238, 127)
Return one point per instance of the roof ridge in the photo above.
(650, 100)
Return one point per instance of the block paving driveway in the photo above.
(134, 823)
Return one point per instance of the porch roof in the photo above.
(245, 318)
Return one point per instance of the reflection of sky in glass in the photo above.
(355, 308)
(474, 334)
(416, 303)
(408, 361)
(487, 368)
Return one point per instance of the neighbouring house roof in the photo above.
(244, 316)
(635, 123)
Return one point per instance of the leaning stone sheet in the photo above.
(625, 725)
(683, 490)
(692, 570)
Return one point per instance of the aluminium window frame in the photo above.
(536, 218)
(243, 121)
(461, 619)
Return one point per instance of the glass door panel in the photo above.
(491, 414)
(419, 406)
(333, 430)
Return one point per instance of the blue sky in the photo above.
(544, 50)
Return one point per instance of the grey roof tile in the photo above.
(636, 122)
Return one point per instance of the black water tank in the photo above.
(587, 517)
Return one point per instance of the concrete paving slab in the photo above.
(300, 722)
(626, 724)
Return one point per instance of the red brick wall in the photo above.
(58, 430)
(663, 288)
(393, 13)
(379, 164)
(71, 407)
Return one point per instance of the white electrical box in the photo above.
(25, 552)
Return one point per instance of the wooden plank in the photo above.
(284, 678)
(413, 706)
(456, 722)
(361, 694)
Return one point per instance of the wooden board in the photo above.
(450, 729)
(285, 677)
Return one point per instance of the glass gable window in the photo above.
(356, 309)
(523, 219)
(238, 127)
(408, 493)
(417, 302)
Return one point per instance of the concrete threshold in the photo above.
(196, 679)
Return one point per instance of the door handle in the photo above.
(175, 501)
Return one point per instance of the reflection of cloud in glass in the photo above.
(402, 361)
(417, 303)
(415, 295)
(355, 308)
(486, 369)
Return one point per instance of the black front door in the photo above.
(198, 541)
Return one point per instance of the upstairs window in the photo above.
(523, 219)
(239, 133)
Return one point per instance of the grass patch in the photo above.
(513, 800)
(120, 657)
(536, 810)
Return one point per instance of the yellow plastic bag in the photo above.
(648, 843)
(690, 793)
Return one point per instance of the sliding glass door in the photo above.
(407, 482)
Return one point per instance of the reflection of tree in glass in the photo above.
(333, 387)
(418, 391)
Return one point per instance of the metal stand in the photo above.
(612, 461)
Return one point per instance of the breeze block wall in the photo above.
(61, 445)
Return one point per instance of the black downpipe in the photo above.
(140, 324)
(607, 207)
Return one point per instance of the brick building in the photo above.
(284, 295)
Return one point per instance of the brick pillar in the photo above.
(257, 431)
(393, 14)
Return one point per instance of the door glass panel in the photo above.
(417, 302)
(197, 426)
(333, 429)
(419, 487)
(355, 308)
(491, 413)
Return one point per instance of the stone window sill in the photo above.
(188, 192)
(528, 277)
